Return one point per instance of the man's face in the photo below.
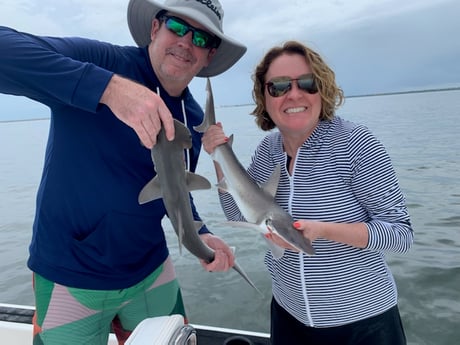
(175, 58)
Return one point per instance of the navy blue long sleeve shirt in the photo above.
(89, 230)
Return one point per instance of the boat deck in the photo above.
(205, 335)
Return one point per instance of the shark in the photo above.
(256, 201)
(173, 183)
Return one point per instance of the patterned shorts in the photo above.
(72, 316)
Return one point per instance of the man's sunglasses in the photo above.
(279, 86)
(200, 38)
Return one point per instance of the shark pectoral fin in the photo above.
(276, 250)
(246, 225)
(196, 182)
(271, 185)
(150, 192)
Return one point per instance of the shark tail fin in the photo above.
(242, 273)
(210, 117)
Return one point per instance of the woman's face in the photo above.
(297, 112)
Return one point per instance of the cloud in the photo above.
(373, 46)
(382, 46)
(88, 18)
(399, 51)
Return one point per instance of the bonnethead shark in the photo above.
(256, 202)
(173, 183)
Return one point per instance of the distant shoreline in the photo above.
(404, 92)
(26, 119)
(252, 104)
(367, 95)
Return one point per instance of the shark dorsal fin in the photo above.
(271, 186)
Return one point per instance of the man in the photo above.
(99, 258)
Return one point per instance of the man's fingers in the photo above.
(147, 131)
(164, 115)
(147, 139)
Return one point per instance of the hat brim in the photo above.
(142, 12)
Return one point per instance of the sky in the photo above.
(373, 46)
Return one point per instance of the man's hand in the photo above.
(223, 254)
(140, 108)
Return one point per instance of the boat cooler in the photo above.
(163, 330)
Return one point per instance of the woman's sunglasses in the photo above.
(200, 38)
(278, 87)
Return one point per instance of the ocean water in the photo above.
(420, 131)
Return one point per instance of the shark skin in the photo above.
(173, 184)
(256, 202)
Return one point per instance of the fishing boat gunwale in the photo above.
(18, 318)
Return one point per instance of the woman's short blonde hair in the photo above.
(331, 95)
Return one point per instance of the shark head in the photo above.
(282, 224)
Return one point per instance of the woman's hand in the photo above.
(353, 234)
(310, 229)
(213, 137)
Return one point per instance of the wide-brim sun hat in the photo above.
(208, 13)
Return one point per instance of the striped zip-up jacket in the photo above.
(343, 174)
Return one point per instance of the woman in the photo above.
(338, 182)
